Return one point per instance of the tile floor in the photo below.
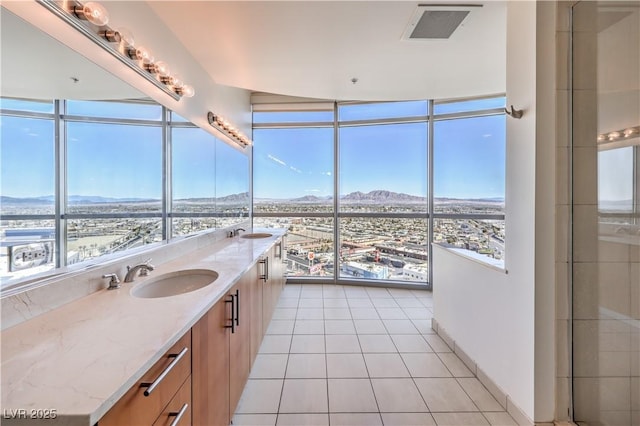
(345, 355)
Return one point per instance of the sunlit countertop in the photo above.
(79, 359)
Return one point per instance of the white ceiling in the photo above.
(315, 48)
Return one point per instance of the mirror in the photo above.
(112, 173)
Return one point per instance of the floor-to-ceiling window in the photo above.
(82, 180)
(364, 189)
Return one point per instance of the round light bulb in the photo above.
(188, 91)
(126, 37)
(95, 13)
(176, 81)
(628, 132)
(162, 68)
(601, 138)
(144, 55)
(614, 135)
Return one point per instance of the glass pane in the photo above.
(469, 165)
(309, 244)
(232, 184)
(177, 118)
(27, 247)
(384, 168)
(92, 238)
(384, 249)
(292, 117)
(485, 237)
(193, 157)
(472, 105)
(192, 225)
(615, 180)
(109, 109)
(373, 111)
(27, 105)
(113, 168)
(293, 170)
(27, 157)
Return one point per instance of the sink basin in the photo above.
(174, 283)
(257, 235)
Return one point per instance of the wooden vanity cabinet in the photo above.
(272, 277)
(240, 340)
(142, 405)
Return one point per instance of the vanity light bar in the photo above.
(618, 135)
(225, 127)
(91, 20)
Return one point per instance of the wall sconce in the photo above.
(225, 127)
(91, 19)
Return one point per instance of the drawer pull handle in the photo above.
(178, 415)
(176, 358)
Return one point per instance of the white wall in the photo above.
(149, 31)
(505, 322)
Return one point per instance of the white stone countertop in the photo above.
(81, 358)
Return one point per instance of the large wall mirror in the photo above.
(91, 168)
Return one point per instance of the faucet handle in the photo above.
(114, 282)
(144, 271)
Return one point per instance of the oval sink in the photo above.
(174, 283)
(257, 235)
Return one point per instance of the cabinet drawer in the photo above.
(161, 383)
(178, 411)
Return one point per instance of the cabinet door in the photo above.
(240, 341)
(210, 366)
(265, 265)
(256, 310)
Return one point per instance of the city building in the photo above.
(537, 291)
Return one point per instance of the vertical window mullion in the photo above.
(336, 195)
(167, 198)
(60, 141)
(430, 188)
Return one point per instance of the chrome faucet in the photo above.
(236, 231)
(144, 269)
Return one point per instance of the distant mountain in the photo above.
(27, 200)
(382, 196)
(234, 198)
(310, 199)
(73, 199)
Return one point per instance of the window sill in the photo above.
(489, 262)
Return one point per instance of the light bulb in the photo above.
(628, 132)
(162, 68)
(176, 81)
(188, 91)
(614, 135)
(126, 37)
(93, 12)
(601, 138)
(110, 35)
(144, 55)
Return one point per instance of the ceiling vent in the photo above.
(436, 21)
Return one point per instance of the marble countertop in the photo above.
(79, 359)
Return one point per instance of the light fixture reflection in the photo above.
(93, 12)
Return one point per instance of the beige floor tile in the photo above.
(500, 418)
(310, 303)
(290, 293)
(426, 301)
(280, 327)
(342, 343)
(309, 327)
(407, 419)
(351, 396)
(269, 366)
(423, 326)
(444, 395)
(260, 397)
(460, 419)
(479, 394)
(254, 419)
(425, 365)
(355, 292)
(377, 343)
(418, 313)
(385, 365)
(401, 293)
(391, 313)
(307, 344)
(378, 292)
(364, 313)
(355, 419)
(306, 366)
(407, 302)
(398, 396)
(287, 303)
(276, 344)
(410, 343)
(311, 291)
(304, 396)
(339, 327)
(381, 303)
(336, 303)
(360, 303)
(370, 326)
(310, 313)
(284, 313)
(400, 326)
(436, 343)
(346, 366)
(333, 292)
(303, 419)
(337, 314)
(455, 365)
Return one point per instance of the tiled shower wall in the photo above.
(605, 255)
